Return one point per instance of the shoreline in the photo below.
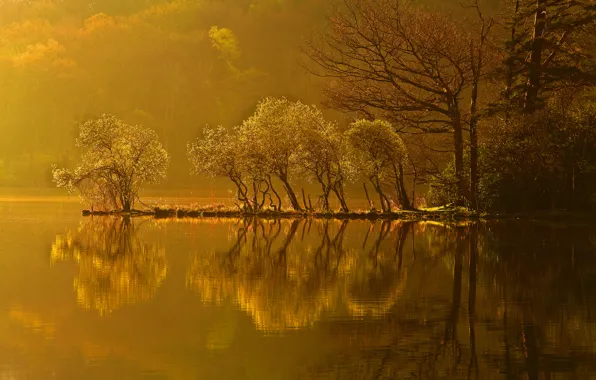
(412, 216)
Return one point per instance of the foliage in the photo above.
(220, 153)
(323, 155)
(443, 186)
(561, 55)
(91, 57)
(542, 161)
(272, 134)
(118, 160)
(402, 62)
(379, 155)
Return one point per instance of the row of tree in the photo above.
(281, 142)
(525, 142)
(286, 139)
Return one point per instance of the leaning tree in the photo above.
(117, 160)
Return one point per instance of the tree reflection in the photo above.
(116, 267)
(528, 312)
(287, 274)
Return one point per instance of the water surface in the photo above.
(97, 298)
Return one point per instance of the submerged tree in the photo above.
(118, 160)
(379, 155)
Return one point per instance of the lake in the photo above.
(114, 298)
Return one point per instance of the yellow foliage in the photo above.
(39, 52)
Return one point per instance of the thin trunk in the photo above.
(458, 143)
(326, 188)
(401, 189)
(126, 207)
(304, 200)
(274, 192)
(371, 205)
(474, 137)
(385, 205)
(290, 192)
(255, 199)
(339, 193)
(535, 67)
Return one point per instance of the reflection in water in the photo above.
(285, 279)
(116, 267)
(362, 300)
(528, 315)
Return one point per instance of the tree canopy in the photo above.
(118, 159)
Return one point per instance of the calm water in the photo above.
(107, 298)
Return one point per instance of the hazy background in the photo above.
(172, 65)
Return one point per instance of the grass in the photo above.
(220, 210)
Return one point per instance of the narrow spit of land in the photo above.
(428, 214)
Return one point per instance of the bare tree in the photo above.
(399, 62)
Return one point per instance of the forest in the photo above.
(483, 105)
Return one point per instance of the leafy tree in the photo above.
(380, 155)
(323, 156)
(221, 153)
(118, 160)
(273, 132)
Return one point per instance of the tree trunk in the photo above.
(326, 188)
(385, 205)
(458, 143)
(535, 68)
(274, 192)
(339, 193)
(401, 190)
(304, 201)
(371, 205)
(290, 192)
(474, 146)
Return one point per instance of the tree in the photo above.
(403, 62)
(543, 161)
(322, 155)
(223, 153)
(273, 133)
(379, 155)
(550, 46)
(118, 160)
(478, 47)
